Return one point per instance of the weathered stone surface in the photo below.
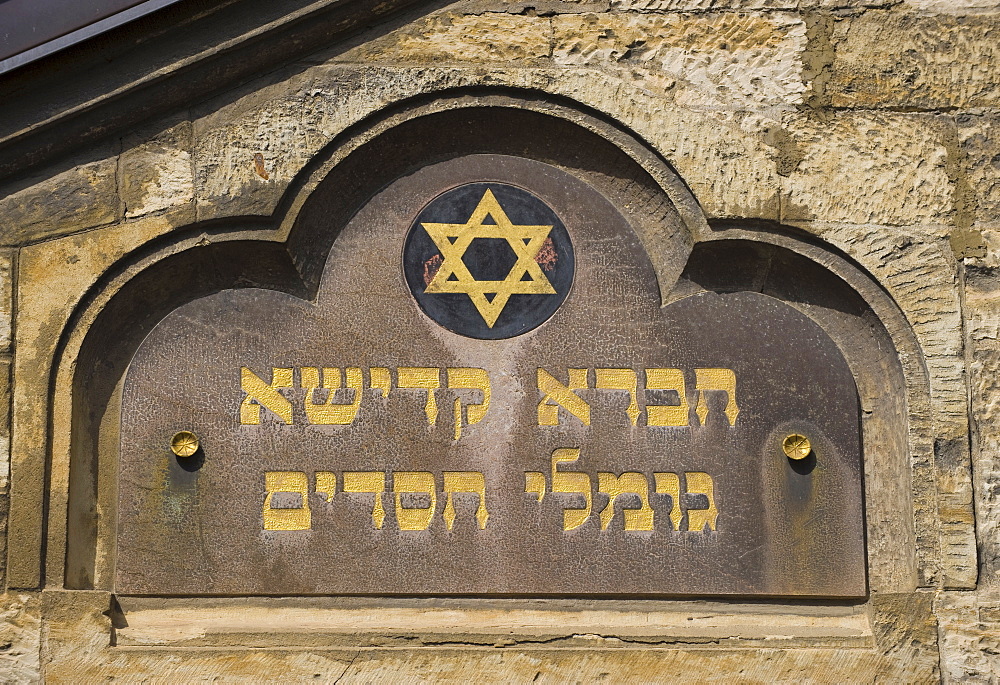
(77, 629)
(57, 274)
(886, 59)
(718, 60)
(157, 175)
(246, 153)
(453, 37)
(904, 627)
(5, 396)
(979, 139)
(969, 636)
(20, 629)
(920, 273)
(725, 156)
(952, 6)
(77, 199)
(899, 161)
(982, 297)
(6, 297)
(743, 5)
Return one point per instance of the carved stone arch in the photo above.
(878, 344)
(504, 121)
(288, 253)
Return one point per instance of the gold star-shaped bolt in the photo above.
(489, 297)
(796, 446)
(184, 444)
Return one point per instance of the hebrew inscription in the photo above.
(486, 397)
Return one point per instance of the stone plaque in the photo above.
(486, 398)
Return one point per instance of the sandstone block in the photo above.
(951, 6)
(6, 297)
(983, 324)
(5, 388)
(20, 628)
(74, 200)
(968, 643)
(979, 140)
(868, 167)
(452, 37)
(245, 155)
(896, 59)
(157, 174)
(742, 5)
(728, 60)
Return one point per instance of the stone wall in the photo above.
(867, 127)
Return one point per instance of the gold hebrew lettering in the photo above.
(723, 380)
(558, 395)
(467, 482)
(469, 379)
(534, 482)
(372, 482)
(326, 482)
(414, 482)
(670, 484)
(286, 519)
(260, 394)
(330, 412)
(667, 415)
(636, 518)
(378, 379)
(571, 482)
(700, 483)
(428, 379)
(620, 379)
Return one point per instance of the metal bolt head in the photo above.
(796, 446)
(184, 444)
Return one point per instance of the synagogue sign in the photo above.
(487, 398)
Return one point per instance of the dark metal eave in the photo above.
(165, 61)
(33, 29)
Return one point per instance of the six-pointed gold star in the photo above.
(489, 297)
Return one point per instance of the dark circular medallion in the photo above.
(488, 260)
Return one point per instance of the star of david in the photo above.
(489, 297)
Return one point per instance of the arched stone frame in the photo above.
(158, 278)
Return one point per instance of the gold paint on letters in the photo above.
(620, 379)
(670, 484)
(465, 481)
(260, 394)
(636, 518)
(326, 482)
(415, 482)
(667, 415)
(572, 482)
(427, 378)
(534, 483)
(524, 240)
(716, 379)
(330, 412)
(372, 482)
(469, 379)
(287, 519)
(378, 379)
(559, 395)
(700, 483)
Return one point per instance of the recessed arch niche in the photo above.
(287, 253)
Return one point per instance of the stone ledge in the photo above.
(331, 622)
